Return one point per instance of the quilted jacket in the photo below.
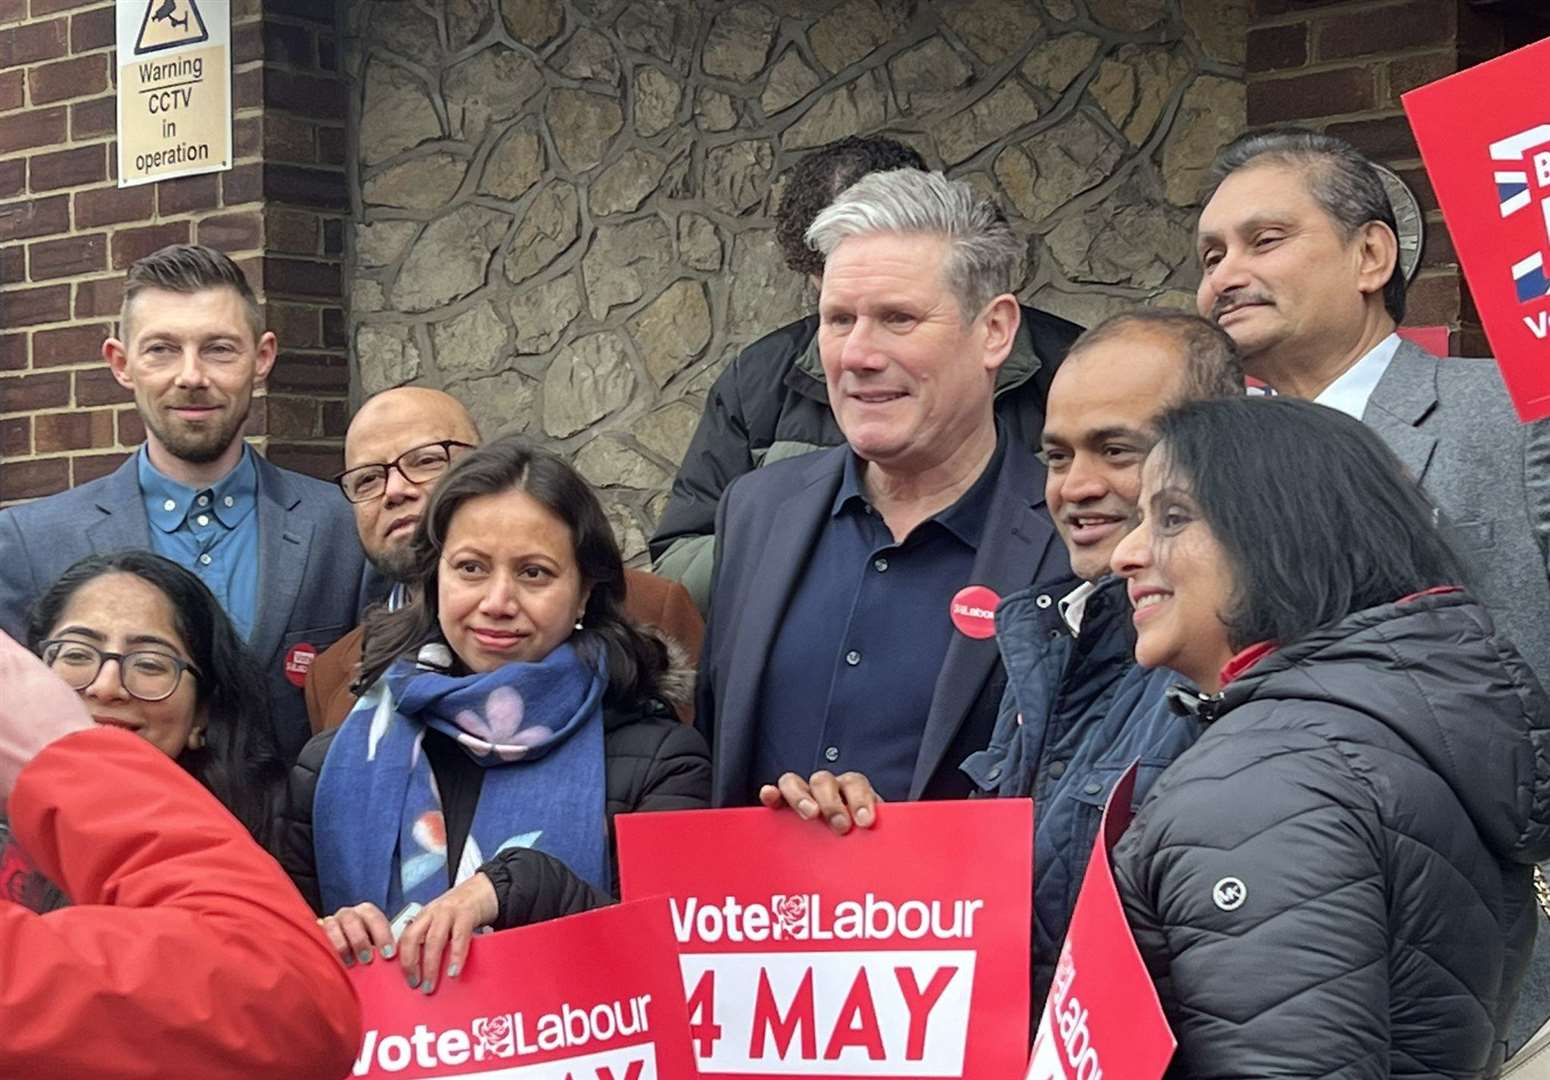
(1334, 881)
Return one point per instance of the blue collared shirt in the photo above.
(212, 531)
(854, 666)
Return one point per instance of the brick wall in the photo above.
(67, 233)
(1341, 65)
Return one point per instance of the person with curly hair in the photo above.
(771, 403)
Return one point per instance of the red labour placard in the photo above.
(592, 997)
(1485, 137)
(895, 951)
(1102, 1017)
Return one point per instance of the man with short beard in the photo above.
(277, 548)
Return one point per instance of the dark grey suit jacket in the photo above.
(766, 527)
(310, 578)
(1452, 425)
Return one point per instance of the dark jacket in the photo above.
(1077, 712)
(768, 524)
(772, 403)
(1335, 879)
(652, 762)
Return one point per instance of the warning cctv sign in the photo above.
(174, 88)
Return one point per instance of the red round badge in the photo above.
(298, 661)
(974, 611)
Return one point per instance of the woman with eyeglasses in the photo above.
(150, 650)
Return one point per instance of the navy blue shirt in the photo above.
(854, 667)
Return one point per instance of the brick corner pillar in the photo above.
(1340, 66)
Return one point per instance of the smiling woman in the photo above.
(511, 710)
(149, 648)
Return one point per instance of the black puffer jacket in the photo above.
(1334, 881)
(652, 762)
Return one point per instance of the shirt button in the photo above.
(831, 754)
(204, 560)
(853, 658)
(169, 505)
(994, 773)
(1093, 787)
(230, 501)
(1044, 601)
(1058, 769)
(204, 500)
(880, 565)
(203, 519)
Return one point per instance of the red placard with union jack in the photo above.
(1485, 137)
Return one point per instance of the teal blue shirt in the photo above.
(212, 531)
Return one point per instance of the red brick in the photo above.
(33, 42)
(68, 168)
(13, 352)
(49, 7)
(301, 277)
(247, 88)
(92, 30)
(335, 335)
(331, 146)
(32, 127)
(16, 437)
(301, 10)
(291, 231)
(247, 43)
(288, 45)
(188, 193)
(72, 78)
(1412, 71)
(296, 325)
(1433, 299)
(97, 386)
(13, 265)
(1384, 29)
(34, 217)
(69, 345)
(233, 232)
(13, 177)
(247, 137)
(35, 478)
(89, 119)
(94, 466)
(29, 393)
(89, 430)
(309, 458)
(28, 307)
(1272, 47)
(319, 97)
(257, 423)
(328, 53)
(12, 90)
(333, 237)
(310, 374)
(296, 417)
(131, 429)
(1323, 93)
(68, 257)
(242, 184)
(131, 245)
(114, 205)
(1388, 139)
(12, 11)
(99, 297)
(1437, 249)
(319, 189)
(288, 138)
(336, 418)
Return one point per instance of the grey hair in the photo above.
(982, 250)
(1340, 179)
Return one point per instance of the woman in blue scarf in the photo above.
(507, 712)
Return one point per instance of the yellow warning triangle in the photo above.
(168, 23)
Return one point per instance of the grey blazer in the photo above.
(1452, 425)
(310, 574)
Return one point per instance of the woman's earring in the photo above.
(196, 739)
(578, 624)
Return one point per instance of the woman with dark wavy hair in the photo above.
(507, 713)
(1335, 880)
(150, 649)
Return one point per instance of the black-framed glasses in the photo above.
(419, 465)
(144, 673)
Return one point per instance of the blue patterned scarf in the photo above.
(378, 830)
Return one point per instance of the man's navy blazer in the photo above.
(310, 570)
(766, 528)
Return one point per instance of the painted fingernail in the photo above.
(414, 982)
(387, 952)
(864, 816)
(806, 807)
(365, 956)
(427, 986)
(452, 970)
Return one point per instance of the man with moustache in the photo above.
(276, 548)
(397, 448)
(832, 643)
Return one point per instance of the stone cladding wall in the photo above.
(563, 208)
